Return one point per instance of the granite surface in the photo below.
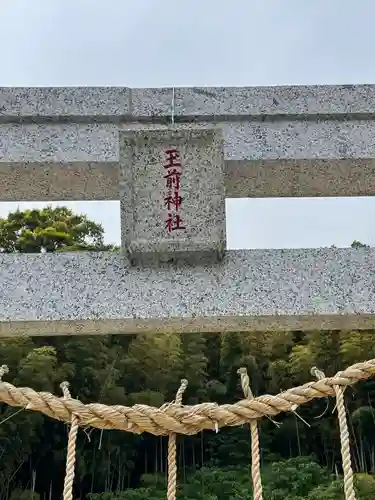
(51, 181)
(80, 161)
(287, 138)
(63, 181)
(299, 178)
(114, 103)
(275, 138)
(251, 289)
(172, 195)
(63, 142)
(339, 100)
(299, 140)
(17, 103)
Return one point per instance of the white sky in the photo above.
(153, 43)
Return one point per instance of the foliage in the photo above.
(50, 229)
(147, 369)
(293, 479)
(24, 495)
(358, 244)
(364, 486)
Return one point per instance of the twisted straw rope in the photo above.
(344, 438)
(345, 445)
(255, 455)
(180, 419)
(71, 453)
(172, 466)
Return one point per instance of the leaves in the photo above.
(290, 479)
(50, 229)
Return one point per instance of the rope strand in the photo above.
(172, 466)
(344, 437)
(255, 454)
(71, 453)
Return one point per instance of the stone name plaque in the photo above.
(172, 195)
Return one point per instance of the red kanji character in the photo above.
(173, 223)
(173, 200)
(173, 179)
(173, 157)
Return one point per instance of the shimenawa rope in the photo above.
(192, 418)
(173, 418)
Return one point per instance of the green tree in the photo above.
(194, 369)
(24, 495)
(50, 229)
(154, 363)
(293, 479)
(364, 485)
(358, 244)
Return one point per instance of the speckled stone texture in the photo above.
(58, 143)
(115, 103)
(68, 181)
(59, 161)
(250, 290)
(172, 195)
(297, 178)
(274, 138)
(256, 102)
(77, 103)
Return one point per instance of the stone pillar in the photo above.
(172, 195)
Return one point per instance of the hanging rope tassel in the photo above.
(344, 436)
(172, 465)
(255, 454)
(71, 453)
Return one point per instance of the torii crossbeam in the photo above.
(172, 179)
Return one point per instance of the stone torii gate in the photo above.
(172, 156)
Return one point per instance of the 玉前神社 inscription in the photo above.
(173, 198)
(172, 195)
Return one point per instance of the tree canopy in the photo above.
(51, 230)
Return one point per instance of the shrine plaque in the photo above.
(172, 195)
